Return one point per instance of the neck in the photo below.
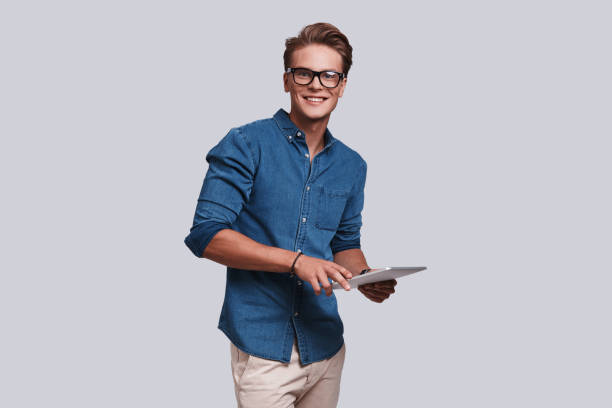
(315, 130)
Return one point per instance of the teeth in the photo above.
(315, 99)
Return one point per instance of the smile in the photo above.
(314, 100)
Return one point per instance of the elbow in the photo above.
(200, 236)
(338, 245)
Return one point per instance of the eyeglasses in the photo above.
(304, 76)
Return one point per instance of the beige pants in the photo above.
(263, 383)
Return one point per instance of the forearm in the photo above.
(352, 259)
(236, 250)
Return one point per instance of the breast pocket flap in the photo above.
(331, 203)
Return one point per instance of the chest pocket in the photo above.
(330, 206)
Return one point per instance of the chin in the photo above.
(316, 115)
(315, 112)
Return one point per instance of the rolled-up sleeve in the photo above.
(348, 235)
(226, 188)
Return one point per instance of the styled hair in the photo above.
(320, 33)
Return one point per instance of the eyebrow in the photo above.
(323, 70)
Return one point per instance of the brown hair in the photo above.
(320, 33)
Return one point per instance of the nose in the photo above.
(316, 83)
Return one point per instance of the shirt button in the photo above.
(299, 283)
(299, 250)
(304, 219)
(289, 137)
(307, 188)
(299, 134)
(307, 155)
(291, 276)
(296, 313)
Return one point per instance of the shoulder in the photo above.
(253, 132)
(350, 154)
(249, 133)
(254, 136)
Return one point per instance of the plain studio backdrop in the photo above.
(487, 131)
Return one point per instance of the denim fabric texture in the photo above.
(260, 182)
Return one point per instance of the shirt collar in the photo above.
(291, 131)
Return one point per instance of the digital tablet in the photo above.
(380, 274)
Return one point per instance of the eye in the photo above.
(330, 75)
(303, 73)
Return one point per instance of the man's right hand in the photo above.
(317, 271)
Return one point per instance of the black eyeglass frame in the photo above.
(317, 74)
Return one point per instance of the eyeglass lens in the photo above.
(328, 79)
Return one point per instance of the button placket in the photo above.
(305, 208)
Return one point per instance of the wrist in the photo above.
(295, 262)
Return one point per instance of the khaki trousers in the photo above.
(263, 383)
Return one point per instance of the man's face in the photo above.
(316, 57)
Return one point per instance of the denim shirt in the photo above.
(260, 182)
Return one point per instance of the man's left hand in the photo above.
(378, 291)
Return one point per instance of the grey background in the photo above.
(486, 127)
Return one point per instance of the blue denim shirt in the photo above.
(260, 182)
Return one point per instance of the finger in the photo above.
(365, 291)
(375, 299)
(325, 283)
(338, 277)
(385, 284)
(383, 291)
(370, 296)
(345, 272)
(378, 293)
(370, 286)
(343, 282)
(315, 285)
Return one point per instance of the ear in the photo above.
(286, 81)
(341, 87)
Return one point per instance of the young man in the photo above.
(281, 206)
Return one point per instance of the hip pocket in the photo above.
(240, 362)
